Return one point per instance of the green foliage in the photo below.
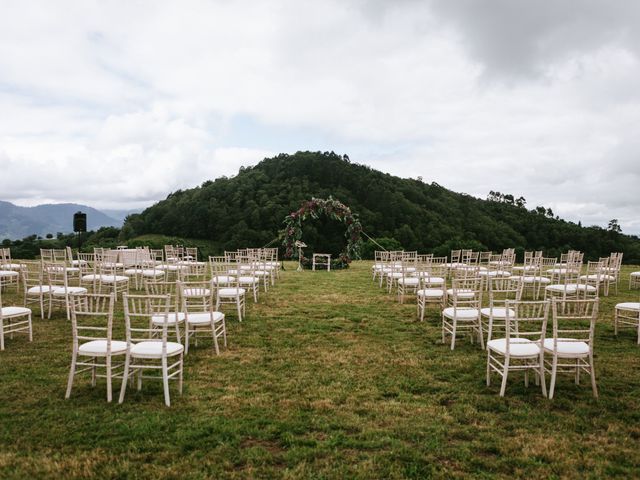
(247, 210)
(332, 209)
(369, 247)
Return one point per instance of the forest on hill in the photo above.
(248, 210)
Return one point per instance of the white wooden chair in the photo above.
(634, 280)
(501, 291)
(431, 290)
(14, 320)
(463, 313)
(36, 289)
(407, 283)
(571, 345)
(246, 274)
(200, 315)
(57, 276)
(175, 317)
(93, 344)
(9, 271)
(567, 288)
(627, 314)
(521, 348)
(228, 290)
(146, 353)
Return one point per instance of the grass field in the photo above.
(328, 377)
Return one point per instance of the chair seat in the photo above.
(78, 263)
(196, 292)
(38, 289)
(171, 318)
(15, 311)
(8, 273)
(561, 288)
(518, 347)
(431, 293)
(231, 292)
(494, 273)
(153, 349)
(260, 273)
(60, 291)
(412, 281)
(635, 274)
(172, 267)
(462, 293)
(393, 274)
(152, 273)
(99, 347)
(461, 313)
(433, 281)
(585, 288)
(223, 279)
(13, 266)
(633, 306)
(113, 278)
(524, 268)
(203, 318)
(247, 280)
(567, 347)
(535, 279)
(498, 312)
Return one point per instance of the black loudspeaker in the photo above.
(79, 222)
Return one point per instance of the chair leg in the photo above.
(72, 373)
(30, 329)
(592, 370)
(180, 374)
(215, 338)
(488, 368)
(109, 386)
(505, 374)
(554, 371)
(125, 378)
(541, 374)
(165, 382)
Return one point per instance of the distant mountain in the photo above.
(18, 222)
(248, 210)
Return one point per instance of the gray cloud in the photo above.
(116, 104)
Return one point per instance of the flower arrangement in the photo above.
(337, 211)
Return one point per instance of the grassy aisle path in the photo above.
(328, 377)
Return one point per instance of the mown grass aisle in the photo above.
(328, 377)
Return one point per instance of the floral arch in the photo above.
(333, 209)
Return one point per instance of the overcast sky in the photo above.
(115, 104)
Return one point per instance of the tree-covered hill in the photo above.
(248, 209)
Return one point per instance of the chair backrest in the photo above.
(503, 289)
(157, 255)
(161, 288)
(56, 275)
(466, 292)
(32, 275)
(484, 258)
(197, 297)
(138, 313)
(574, 320)
(526, 319)
(92, 317)
(5, 257)
(46, 255)
(455, 256)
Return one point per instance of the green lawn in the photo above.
(328, 377)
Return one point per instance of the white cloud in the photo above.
(116, 104)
